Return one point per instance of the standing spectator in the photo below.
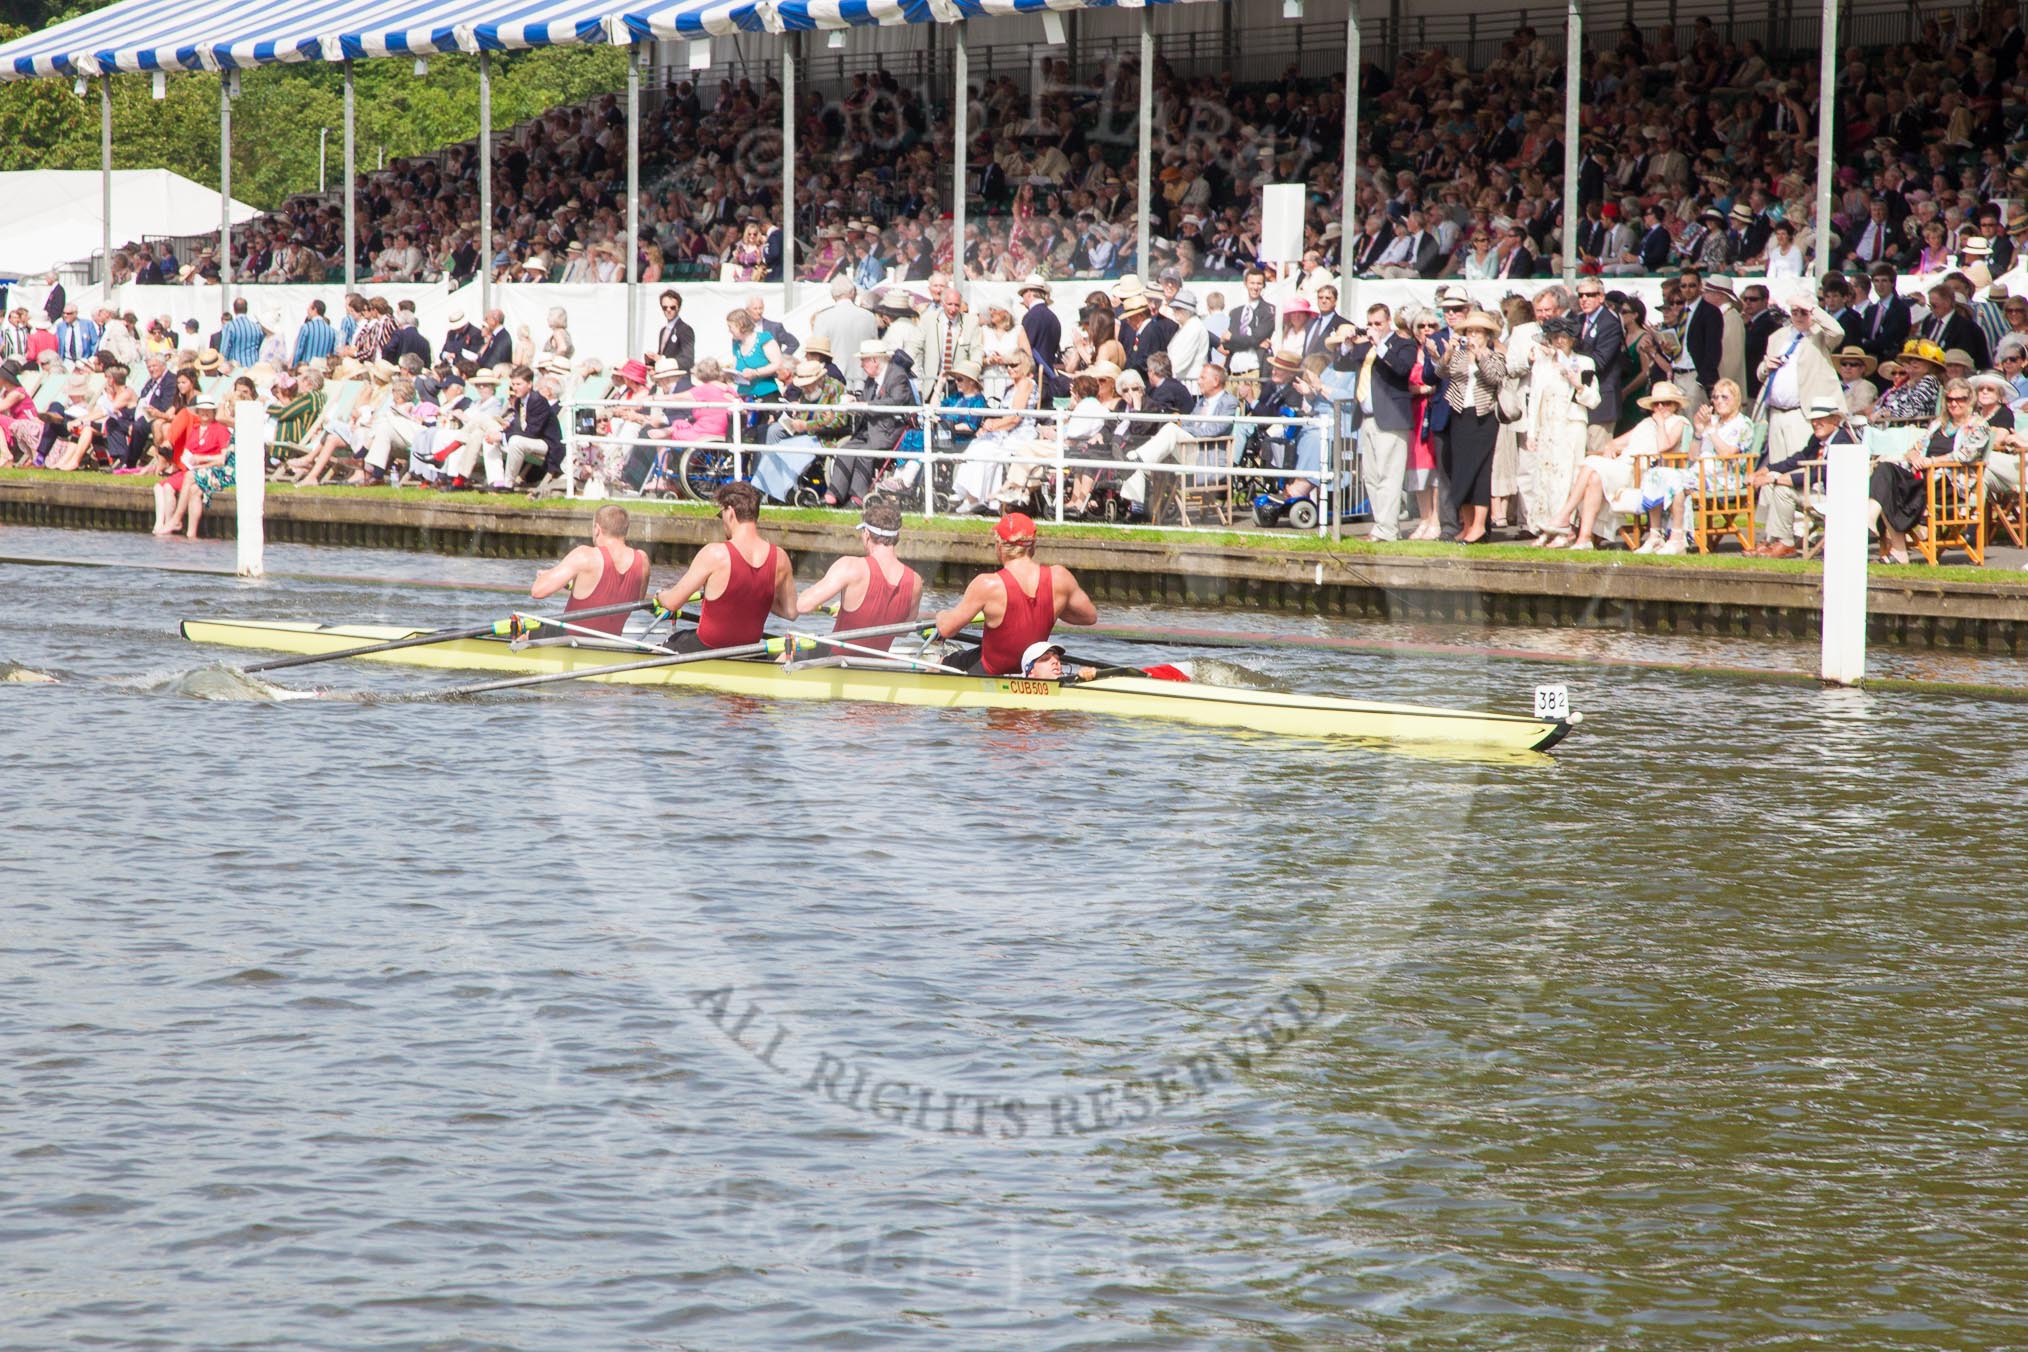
(315, 338)
(1039, 322)
(1252, 327)
(1602, 341)
(1387, 408)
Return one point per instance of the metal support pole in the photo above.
(1827, 96)
(961, 116)
(633, 199)
(351, 191)
(1573, 59)
(224, 190)
(106, 182)
(788, 173)
(485, 184)
(1350, 224)
(1143, 177)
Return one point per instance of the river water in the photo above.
(603, 1018)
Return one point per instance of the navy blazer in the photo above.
(1655, 249)
(1894, 323)
(1393, 404)
(1604, 340)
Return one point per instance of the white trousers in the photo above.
(505, 461)
(1383, 457)
(390, 435)
(1158, 449)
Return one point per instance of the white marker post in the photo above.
(250, 484)
(1844, 651)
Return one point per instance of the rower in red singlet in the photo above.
(875, 589)
(744, 580)
(1021, 602)
(606, 572)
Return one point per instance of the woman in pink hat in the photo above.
(624, 424)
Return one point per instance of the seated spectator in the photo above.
(1608, 474)
(1957, 438)
(711, 401)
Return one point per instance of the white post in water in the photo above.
(250, 483)
(1845, 502)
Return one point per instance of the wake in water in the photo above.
(224, 684)
(13, 673)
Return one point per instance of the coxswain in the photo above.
(1044, 662)
(606, 572)
(1021, 602)
(874, 589)
(744, 579)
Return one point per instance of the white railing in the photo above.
(1339, 457)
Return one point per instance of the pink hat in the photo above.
(1299, 306)
(633, 372)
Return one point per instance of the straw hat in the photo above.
(486, 375)
(1852, 353)
(1033, 283)
(1957, 356)
(1101, 370)
(818, 343)
(968, 370)
(873, 348)
(210, 361)
(383, 370)
(1479, 319)
(667, 368)
(1664, 392)
(1286, 359)
(809, 373)
(1129, 285)
(1998, 382)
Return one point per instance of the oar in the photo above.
(488, 630)
(765, 646)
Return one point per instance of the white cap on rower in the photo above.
(1036, 652)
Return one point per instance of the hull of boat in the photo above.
(1262, 711)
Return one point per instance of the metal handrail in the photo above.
(928, 415)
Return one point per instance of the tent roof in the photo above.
(45, 213)
(192, 35)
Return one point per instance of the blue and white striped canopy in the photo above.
(792, 15)
(172, 35)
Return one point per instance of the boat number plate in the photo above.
(1552, 701)
(1031, 687)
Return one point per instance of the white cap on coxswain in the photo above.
(1036, 652)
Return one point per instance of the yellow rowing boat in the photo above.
(1216, 706)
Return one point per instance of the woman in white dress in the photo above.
(1785, 257)
(1603, 477)
(976, 479)
(1565, 385)
(1004, 340)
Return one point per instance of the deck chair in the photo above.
(1725, 501)
(2007, 508)
(1957, 513)
(1207, 494)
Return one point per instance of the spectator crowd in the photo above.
(1700, 150)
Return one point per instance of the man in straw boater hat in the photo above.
(1022, 601)
(1797, 370)
(874, 588)
(796, 439)
(1781, 480)
(1855, 369)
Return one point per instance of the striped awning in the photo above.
(192, 35)
(823, 14)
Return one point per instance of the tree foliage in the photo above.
(280, 110)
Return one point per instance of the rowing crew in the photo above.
(744, 579)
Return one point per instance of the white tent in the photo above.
(49, 217)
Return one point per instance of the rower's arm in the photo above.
(833, 583)
(554, 579)
(785, 586)
(967, 609)
(1077, 607)
(691, 583)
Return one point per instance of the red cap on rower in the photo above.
(1015, 526)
